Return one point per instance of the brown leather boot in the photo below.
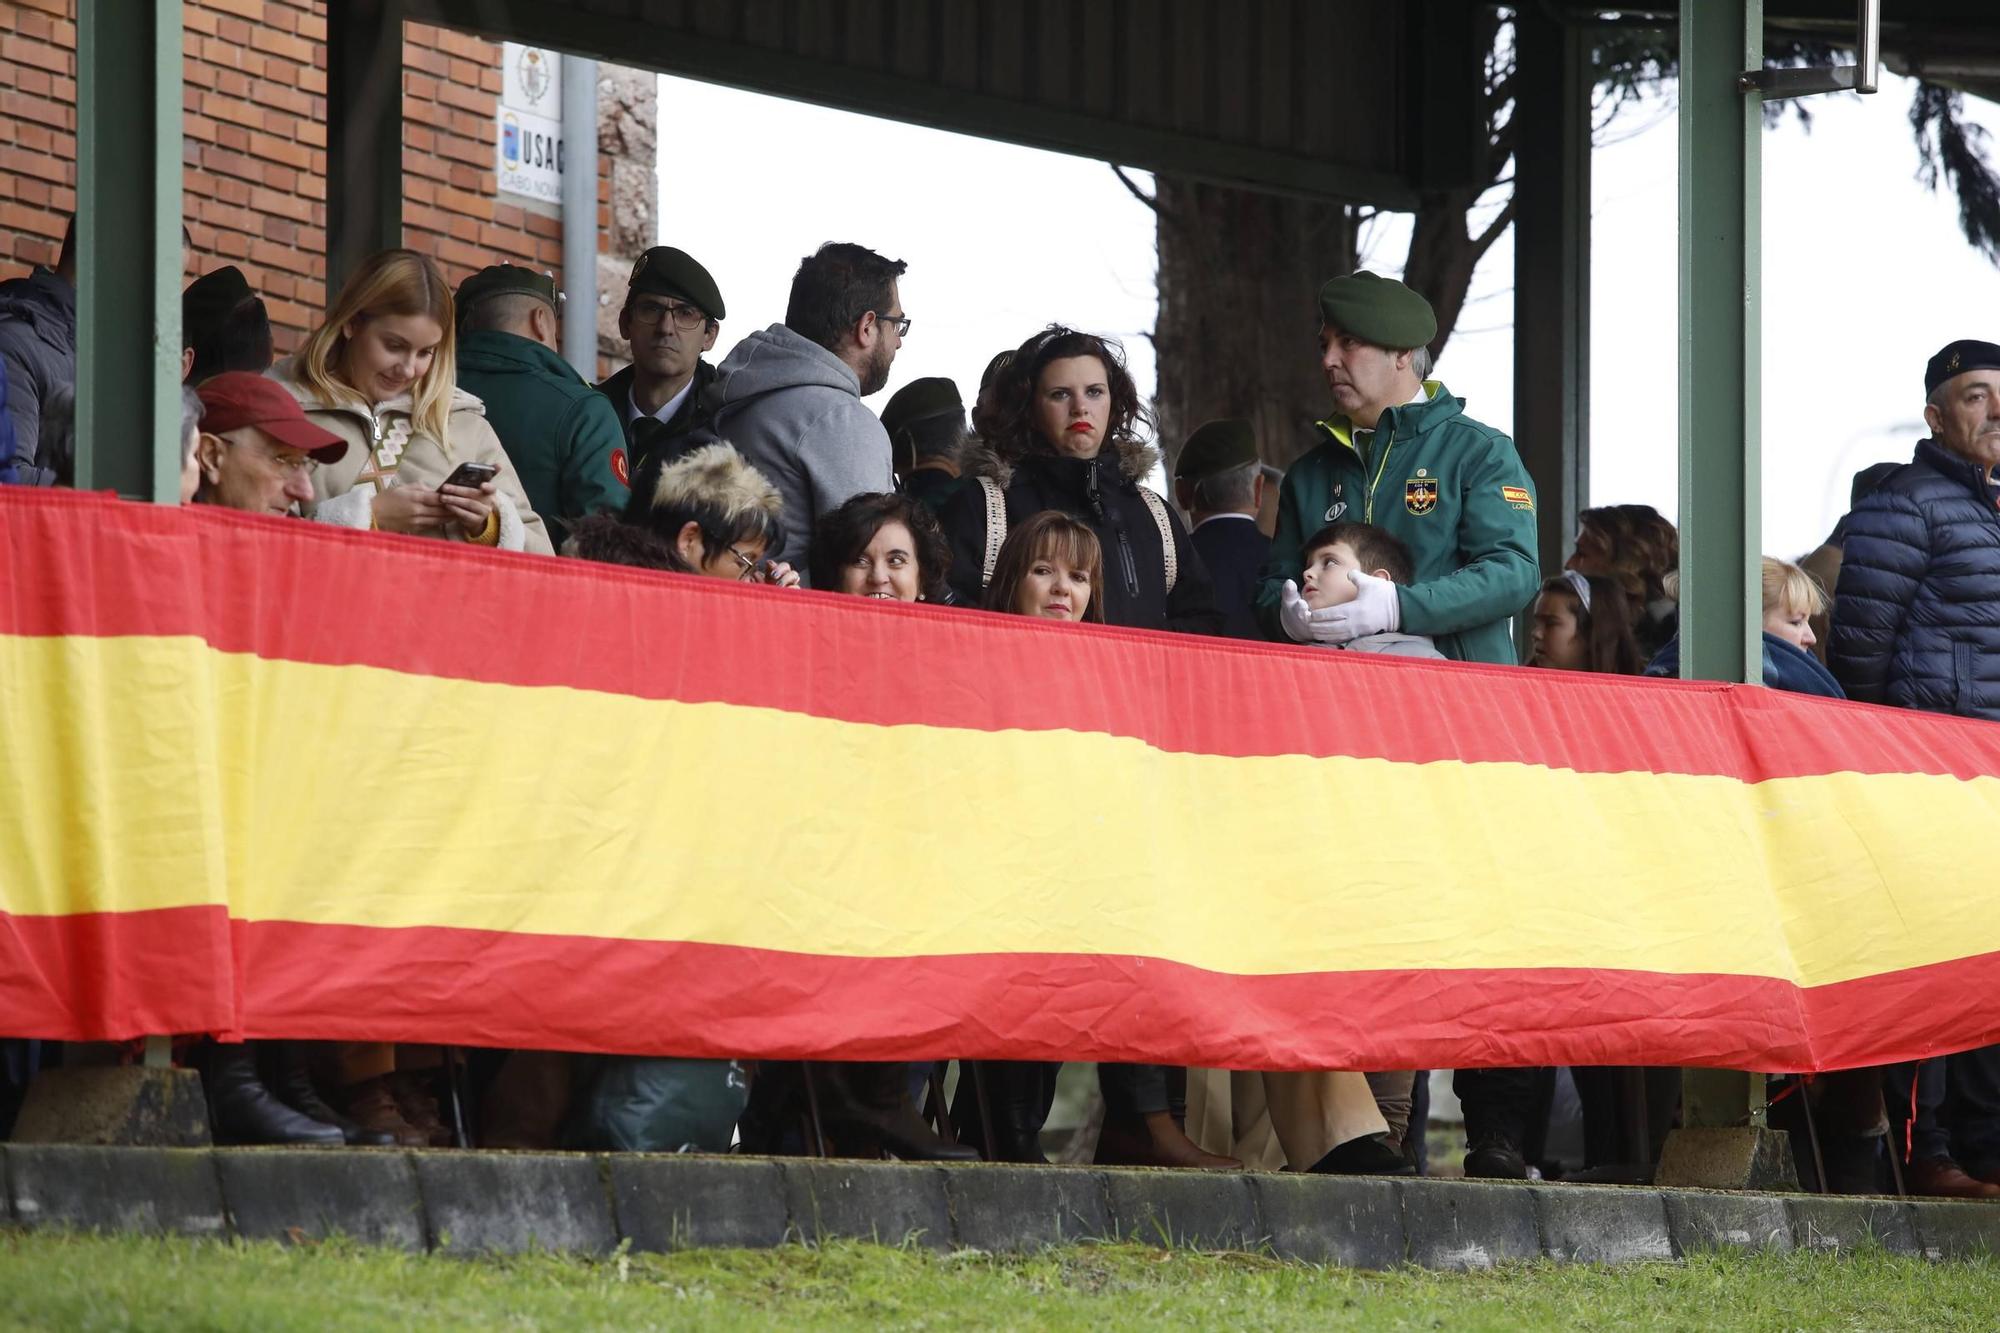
(1941, 1178)
(1155, 1139)
(417, 1105)
(372, 1106)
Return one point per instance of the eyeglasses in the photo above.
(902, 322)
(685, 317)
(293, 465)
(751, 569)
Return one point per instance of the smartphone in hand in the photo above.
(472, 475)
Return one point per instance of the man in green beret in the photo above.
(1219, 481)
(1400, 453)
(926, 424)
(672, 312)
(560, 434)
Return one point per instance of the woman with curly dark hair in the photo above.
(1062, 428)
(1635, 545)
(881, 545)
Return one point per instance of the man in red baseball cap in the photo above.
(257, 451)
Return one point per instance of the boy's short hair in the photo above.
(1373, 548)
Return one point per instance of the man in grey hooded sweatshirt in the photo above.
(789, 397)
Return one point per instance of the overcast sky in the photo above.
(1865, 273)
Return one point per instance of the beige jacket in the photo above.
(382, 445)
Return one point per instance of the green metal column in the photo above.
(1723, 1140)
(1720, 254)
(1552, 270)
(128, 232)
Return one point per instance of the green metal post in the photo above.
(1720, 333)
(128, 232)
(1723, 1139)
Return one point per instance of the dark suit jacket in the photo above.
(1234, 551)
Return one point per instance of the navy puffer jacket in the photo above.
(1916, 618)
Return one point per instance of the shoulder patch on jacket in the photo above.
(1518, 497)
(620, 468)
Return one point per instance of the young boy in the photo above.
(1337, 550)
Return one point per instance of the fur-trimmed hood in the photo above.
(1136, 459)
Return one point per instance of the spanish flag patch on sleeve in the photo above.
(1518, 497)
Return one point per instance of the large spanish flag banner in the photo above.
(267, 778)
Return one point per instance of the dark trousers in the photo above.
(1948, 1106)
(1617, 1100)
(1134, 1090)
(1497, 1102)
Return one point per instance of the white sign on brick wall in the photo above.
(528, 125)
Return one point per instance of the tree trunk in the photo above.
(1239, 274)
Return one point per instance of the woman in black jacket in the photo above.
(1061, 430)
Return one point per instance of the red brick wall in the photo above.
(254, 145)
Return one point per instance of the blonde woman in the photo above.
(379, 372)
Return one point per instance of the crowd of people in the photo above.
(1407, 528)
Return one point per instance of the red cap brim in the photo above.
(300, 434)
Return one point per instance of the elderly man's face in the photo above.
(1966, 416)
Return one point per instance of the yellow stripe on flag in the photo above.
(359, 796)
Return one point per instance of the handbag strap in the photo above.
(996, 527)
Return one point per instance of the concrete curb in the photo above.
(476, 1203)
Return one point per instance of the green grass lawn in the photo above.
(71, 1282)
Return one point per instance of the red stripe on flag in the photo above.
(568, 993)
(109, 976)
(304, 592)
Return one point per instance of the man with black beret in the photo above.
(672, 313)
(1400, 453)
(224, 327)
(561, 435)
(1219, 481)
(1916, 624)
(926, 424)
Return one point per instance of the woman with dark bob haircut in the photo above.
(1062, 427)
(885, 546)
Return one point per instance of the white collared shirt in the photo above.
(666, 413)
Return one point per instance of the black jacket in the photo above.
(1234, 551)
(1103, 492)
(1916, 616)
(618, 388)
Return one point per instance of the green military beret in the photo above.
(1377, 310)
(506, 280)
(665, 271)
(1216, 446)
(920, 400)
(208, 302)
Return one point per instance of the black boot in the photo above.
(243, 1109)
(866, 1109)
(284, 1068)
(1369, 1155)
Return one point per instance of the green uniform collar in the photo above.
(495, 350)
(1416, 415)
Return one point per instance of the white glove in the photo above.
(1294, 616)
(1376, 609)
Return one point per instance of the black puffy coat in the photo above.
(1916, 616)
(1103, 493)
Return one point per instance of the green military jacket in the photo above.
(562, 435)
(1454, 491)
